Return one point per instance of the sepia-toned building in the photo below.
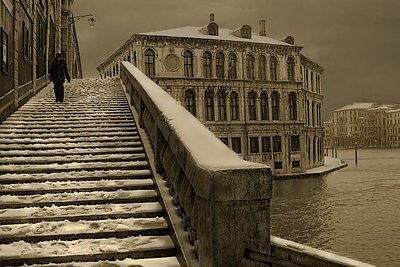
(31, 33)
(259, 95)
(364, 124)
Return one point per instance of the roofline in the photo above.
(129, 41)
(303, 57)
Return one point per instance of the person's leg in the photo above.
(62, 92)
(57, 91)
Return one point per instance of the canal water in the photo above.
(354, 212)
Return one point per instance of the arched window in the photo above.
(207, 64)
(188, 63)
(220, 57)
(262, 70)
(290, 69)
(232, 66)
(209, 105)
(250, 66)
(273, 67)
(264, 108)
(234, 106)
(134, 58)
(292, 106)
(252, 105)
(190, 101)
(221, 105)
(129, 57)
(275, 105)
(149, 60)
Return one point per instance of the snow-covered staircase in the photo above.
(75, 185)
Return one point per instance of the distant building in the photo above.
(31, 32)
(367, 124)
(259, 95)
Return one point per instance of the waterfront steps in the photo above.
(75, 185)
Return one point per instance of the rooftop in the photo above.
(224, 34)
(356, 106)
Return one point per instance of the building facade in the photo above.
(364, 125)
(260, 96)
(31, 33)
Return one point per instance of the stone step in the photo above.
(75, 186)
(72, 151)
(77, 198)
(74, 176)
(58, 122)
(4, 147)
(63, 135)
(154, 262)
(63, 114)
(66, 230)
(82, 128)
(73, 107)
(21, 252)
(75, 166)
(69, 140)
(81, 117)
(71, 158)
(82, 212)
(76, 124)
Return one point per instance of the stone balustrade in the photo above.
(223, 201)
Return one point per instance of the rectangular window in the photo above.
(236, 144)
(266, 144)
(295, 143)
(296, 163)
(277, 143)
(277, 165)
(254, 145)
(4, 51)
(224, 140)
(25, 41)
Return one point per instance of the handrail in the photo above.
(223, 200)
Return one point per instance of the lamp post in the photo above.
(73, 19)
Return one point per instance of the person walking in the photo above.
(58, 74)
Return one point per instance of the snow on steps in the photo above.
(78, 198)
(68, 140)
(75, 185)
(86, 249)
(70, 145)
(160, 262)
(71, 158)
(83, 212)
(74, 176)
(67, 230)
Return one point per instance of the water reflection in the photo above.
(354, 211)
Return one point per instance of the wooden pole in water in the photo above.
(355, 152)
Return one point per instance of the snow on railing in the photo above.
(224, 201)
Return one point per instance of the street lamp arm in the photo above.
(73, 18)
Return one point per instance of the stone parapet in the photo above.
(224, 201)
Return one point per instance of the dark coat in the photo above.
(59, 71)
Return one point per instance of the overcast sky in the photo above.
(357, 42)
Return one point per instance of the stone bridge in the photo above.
(120, 174)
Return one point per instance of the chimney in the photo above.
(262, 28)
(212, 17)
